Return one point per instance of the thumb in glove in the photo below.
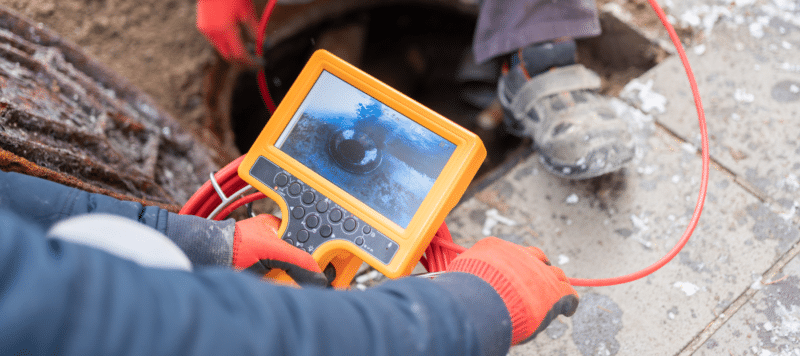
(257, 248)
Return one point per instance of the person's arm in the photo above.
(245, 244)
(45, 203)
(63, 298)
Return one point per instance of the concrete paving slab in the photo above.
(747, 64)
(620, 223)
(768, 324)
(749, 75)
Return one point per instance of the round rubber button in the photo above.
(290, 241)
(366, 229)
(349, 224)
(309, 197)
(281, 179)
(322, 206)
(359, 241)
(336, 215)
(312, 221)
(298, 212)
(295, 188)
(325, 230)
(303, 235)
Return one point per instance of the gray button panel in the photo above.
(331, 220)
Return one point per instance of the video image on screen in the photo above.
(369, 150)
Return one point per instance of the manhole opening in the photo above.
(418, 50)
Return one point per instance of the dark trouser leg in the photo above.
(505, 26)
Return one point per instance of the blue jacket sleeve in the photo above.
(62, 298)
(45, 203)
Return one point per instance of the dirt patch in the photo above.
(152, 43)
(155, 45)
(72, 118)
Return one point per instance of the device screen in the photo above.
(369, 150)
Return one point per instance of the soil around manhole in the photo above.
(74, 119)
(155, 44)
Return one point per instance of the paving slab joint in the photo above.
(700, 339)
(720, 167)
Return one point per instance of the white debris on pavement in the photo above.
(617, 10)
(756, 30)
(647, 170)
(562, 260)
(699, 49)
(643, 95)
(703, 17)
(754, 15)
(645, 243)
(572, 199)
(493, 218)
(790, 214)
(790, 323)
(757, 282)
(790, 182)
(639, 223)
(789, 67)
(686, 287)
(690, 18)
(741, 3)
(741, 95)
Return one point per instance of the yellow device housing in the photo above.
(343, 141)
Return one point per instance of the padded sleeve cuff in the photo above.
(205, 242)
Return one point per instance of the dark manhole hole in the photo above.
(418, 50)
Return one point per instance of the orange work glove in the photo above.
(258, 249)
(534, 292)
(219, 21)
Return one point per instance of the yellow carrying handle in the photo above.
(345, 264)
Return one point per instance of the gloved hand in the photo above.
(257, 248)
(219, 21)
(534, 292)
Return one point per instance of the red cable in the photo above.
(442, 249)
(701, 197)
(440, 241)
(262, 78)
(238, 203)
(206, 192)
(206, 199)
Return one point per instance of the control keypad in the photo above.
(316, 219)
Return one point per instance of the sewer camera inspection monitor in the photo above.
(360, 171)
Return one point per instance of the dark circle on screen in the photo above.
(354, 151)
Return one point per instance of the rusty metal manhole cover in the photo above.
(66, 118)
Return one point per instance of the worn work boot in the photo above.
(547, 97)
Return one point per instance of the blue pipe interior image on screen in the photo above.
(366, 148)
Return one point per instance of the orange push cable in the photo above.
(443, 240)
(701, 196)
(442, 248)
